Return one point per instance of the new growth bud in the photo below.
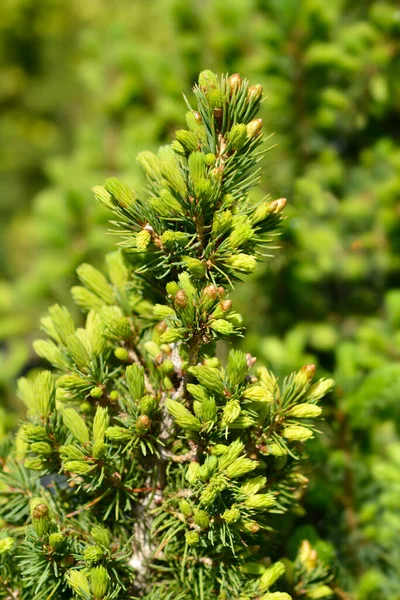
(234, 82)
(254, 128)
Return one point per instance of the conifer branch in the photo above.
(168, 470)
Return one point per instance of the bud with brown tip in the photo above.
(181, 299)
(143, 424)
(226, 305)
(40, 518)
(234, 82)
(254, 128)
(255, 92)
(209, 294)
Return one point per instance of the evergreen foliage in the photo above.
(146, 468)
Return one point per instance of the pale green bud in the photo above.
(208, 79)
(215, 100)
(99, 449)
(150, 164)
(266, 208)
(231, 453)
(258, 393)
(52, 353)
(178, 148)
(182, 416)
(86, 299)
(231, 412)
(118, 434)
(117, 269)
(36, 464)
(192, 538)
(71, 452)
(93, 555)
(170, 203)
(78, 351)
(194, 122)
(6, 544)
(240, 467)
(122, 193)
(203, 189)
(252, 486)
(304, 411)
(322, 591)
(41, 448)
(237, 136)
(195, 267)
(242, 262)
(76, 425)
(242, 422)
(172, 335)
(217, 485)
(271, 575)
(197, 164)
(198, 392)
(56, 540)
(222, 327)
(219, 449)
(208, 377)
(277, 450)
(143, 239)
(60, 325)
(210, 159)
(115, 325)
(237, 362)
(147, 405)
(101, 536)
(99, 581)
(171, 171)
(44, 393)
(153, 349)
(260, 501)
(122, 354)
(193, 471)
(231, 515)
(208, 468)
(100, 423)
(297, 433)
(96, 282)
(78, 467)
(104, 197)
(135, 380)
(163, 312)
(319, 389)
(222, 222)
(201, 518)
(185, 508)
(72, 382)
(167, 367)
(188, 139)
(170, 238)
(78, 581)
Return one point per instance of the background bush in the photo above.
(86, 85)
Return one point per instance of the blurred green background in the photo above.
(84, 86)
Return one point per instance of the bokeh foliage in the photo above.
(86, 85)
